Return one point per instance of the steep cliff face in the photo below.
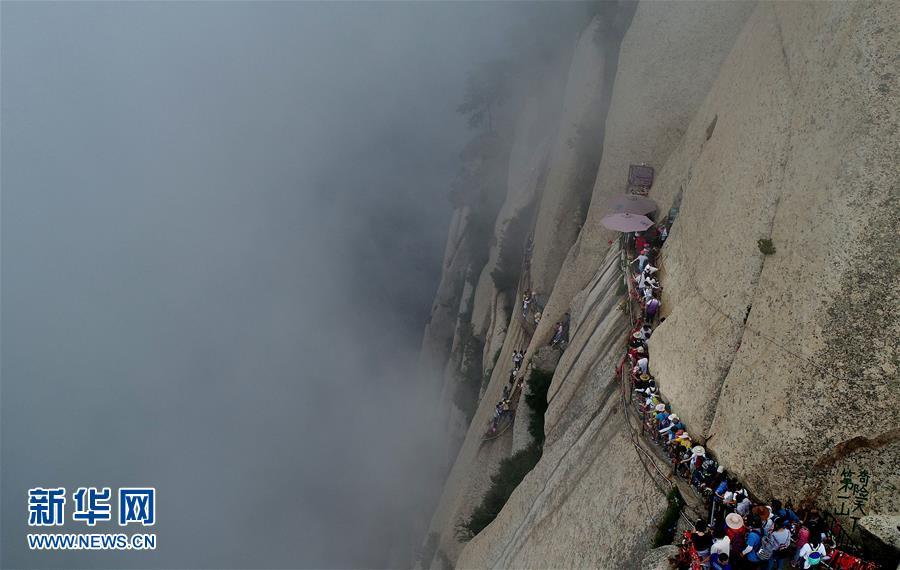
(791, 356)
(573, 160)
(764, 121)
(535, 158)
(586, 503)
(438, 336)
(493, 301)
(668, 59)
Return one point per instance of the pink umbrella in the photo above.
(630, 204)
(626, 222)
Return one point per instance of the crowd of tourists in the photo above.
(741, 531)
(560, 329)
(505, 408)
(501, 410)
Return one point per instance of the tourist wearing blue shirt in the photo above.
(784, 513)
(754, 539)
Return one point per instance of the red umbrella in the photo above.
(626, 222)
(630, 204)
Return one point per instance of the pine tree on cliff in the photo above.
(487, 88)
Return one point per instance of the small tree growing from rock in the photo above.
(766, 246)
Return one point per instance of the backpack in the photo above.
(769, 546)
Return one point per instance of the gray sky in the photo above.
(221, 232)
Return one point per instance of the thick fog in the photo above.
(222, 228)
